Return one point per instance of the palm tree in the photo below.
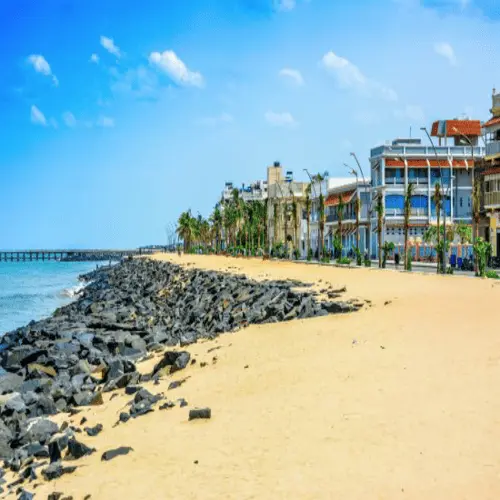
(340, 216)
(319, 178)
(216, 220)
(379, 209)
(185, 229)
(308, 216)
(437, 198)
(407, 214)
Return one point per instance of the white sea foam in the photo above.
(73, 292)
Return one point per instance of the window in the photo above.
(461, 202)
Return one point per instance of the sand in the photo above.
(399, 400)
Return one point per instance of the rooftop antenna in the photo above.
(410, 131)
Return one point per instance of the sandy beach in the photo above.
(398, 400)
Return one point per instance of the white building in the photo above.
(255, 191)
(405, 161)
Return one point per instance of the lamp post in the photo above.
(446, 196)
(355, 173)
(368, 232)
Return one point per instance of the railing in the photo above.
(442, 151)
(492, 198)
(399, 212)
(493, 148)
(394, 181)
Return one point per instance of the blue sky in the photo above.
(118, 115)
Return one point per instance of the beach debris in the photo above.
(124, 417)
(110, 454)
(182, 402)
(387, 302)
(93, 431)
(200, 413)
(166, 406)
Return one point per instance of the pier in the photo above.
(66, 255)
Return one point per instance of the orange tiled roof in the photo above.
(334, 199)
(493, 121)
(390, 162)
(457, 127)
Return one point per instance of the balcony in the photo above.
(394, 181)
(492, 199)
(493, 148)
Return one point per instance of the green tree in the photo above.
(186, 229)
(340, 217)
(308, 217)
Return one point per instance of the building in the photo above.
(350, 194)
(404, 161)
(332, 188)
(488, 172)
(256, 191)
(286, 203)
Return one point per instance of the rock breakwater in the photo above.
(92, 346)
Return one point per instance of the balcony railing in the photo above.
(492, 198)
(396, 181)
(442, 151)
(399, 212)
(493, 148)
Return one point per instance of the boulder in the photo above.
(10, 382)
(37, 429)
(78, 450)
(200, 413)
(55, 470)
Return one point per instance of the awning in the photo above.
(334, 199)
(390, 162)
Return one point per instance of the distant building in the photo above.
(284, 207)
(404, 161)
(255, 191)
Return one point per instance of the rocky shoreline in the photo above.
(92, 346)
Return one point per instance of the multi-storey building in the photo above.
(351, 195)
(489, 177)
(403, 161)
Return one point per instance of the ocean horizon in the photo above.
(33, 290)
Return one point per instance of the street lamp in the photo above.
(446, 196)
(368, 232)
(315, 197)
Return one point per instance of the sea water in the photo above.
(33, 290)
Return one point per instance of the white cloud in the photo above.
(349, 76)
(109, 45)
(216, 120)
(280, 119)
(412, 112)
(41, 65)
(284, 5)
(293, 74)
(169, 63)
(69, 119)
(38, 117)
(105, 122)
(94, 58)
(445, 50)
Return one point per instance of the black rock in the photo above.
(124, 417)
(182, 402)
(55, 470)
(110, 454)
(200, 413)
(93, 431)
(132, 389)
(78, 450)
(56, 495)
(175, 360)
(167, 405)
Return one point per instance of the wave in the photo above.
(73, 292)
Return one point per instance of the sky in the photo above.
(118, 115)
